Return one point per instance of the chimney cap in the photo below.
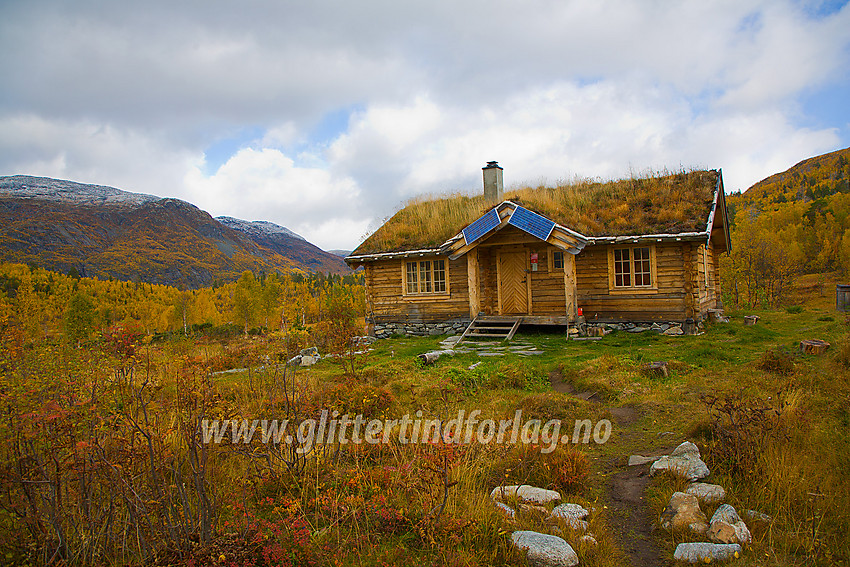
(491, 165)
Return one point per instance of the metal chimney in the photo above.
(493, 185)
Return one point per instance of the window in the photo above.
(558, 260)
(643, 272)
(631, 268)
(425, 276)
(622, 268)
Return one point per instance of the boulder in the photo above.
(683, 514)
(311, 351)
(706, 552)
(726, 513)
(728, 527)
(545, 550)
(684, 460)
(309, 360)
(707, 493)
(672, 331)
(525, 493)
(295, 360)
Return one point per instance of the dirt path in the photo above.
(631, 518)
(630, 515)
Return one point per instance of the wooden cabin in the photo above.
(638, 250)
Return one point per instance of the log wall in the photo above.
(682, 289)
(666, 303)
(386, 302)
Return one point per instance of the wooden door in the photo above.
(513, 282)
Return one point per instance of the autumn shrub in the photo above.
(268, 532)
(741, 428)
(355, 398)
(778, 360)
(121, 339)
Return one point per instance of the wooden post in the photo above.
(570, 286)
(473, 283)
(690, 277)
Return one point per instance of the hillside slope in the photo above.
(811, 179)
(805, 208)
(283, 241)
(102, 231)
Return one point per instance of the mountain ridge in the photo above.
(106, 232)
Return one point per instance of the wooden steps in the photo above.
(490, 327)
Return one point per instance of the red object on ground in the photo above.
(580, 312)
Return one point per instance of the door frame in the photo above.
(513, 250)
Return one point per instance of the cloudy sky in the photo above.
(326, 116)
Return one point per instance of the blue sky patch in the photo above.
(223, 149)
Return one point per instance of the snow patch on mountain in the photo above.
(257, 228)
(45, 188)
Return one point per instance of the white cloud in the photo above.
(267, 185)
(131, 95)
(91, 152)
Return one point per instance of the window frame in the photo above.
(632, 287)
(428, 264)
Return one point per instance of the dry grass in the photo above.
(661, 202)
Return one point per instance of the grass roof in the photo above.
(666, 203)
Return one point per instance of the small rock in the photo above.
(683, 513)
(726, 513)
(684, 460)
(589, 540)
(545, 550)
(311, 351)
(473, 366)
(309, 360)
(728, 527)
(569, 510)
(575, 523)
(673, 331)
(295, 360)
(706, 552)
(707, 493)
(637, 460)
(525, 493)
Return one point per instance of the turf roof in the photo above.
(669, 203)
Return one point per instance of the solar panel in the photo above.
(532, 223)
(482, 226)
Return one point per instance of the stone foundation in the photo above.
(458, 326)
(689, 327)
(419, 329)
